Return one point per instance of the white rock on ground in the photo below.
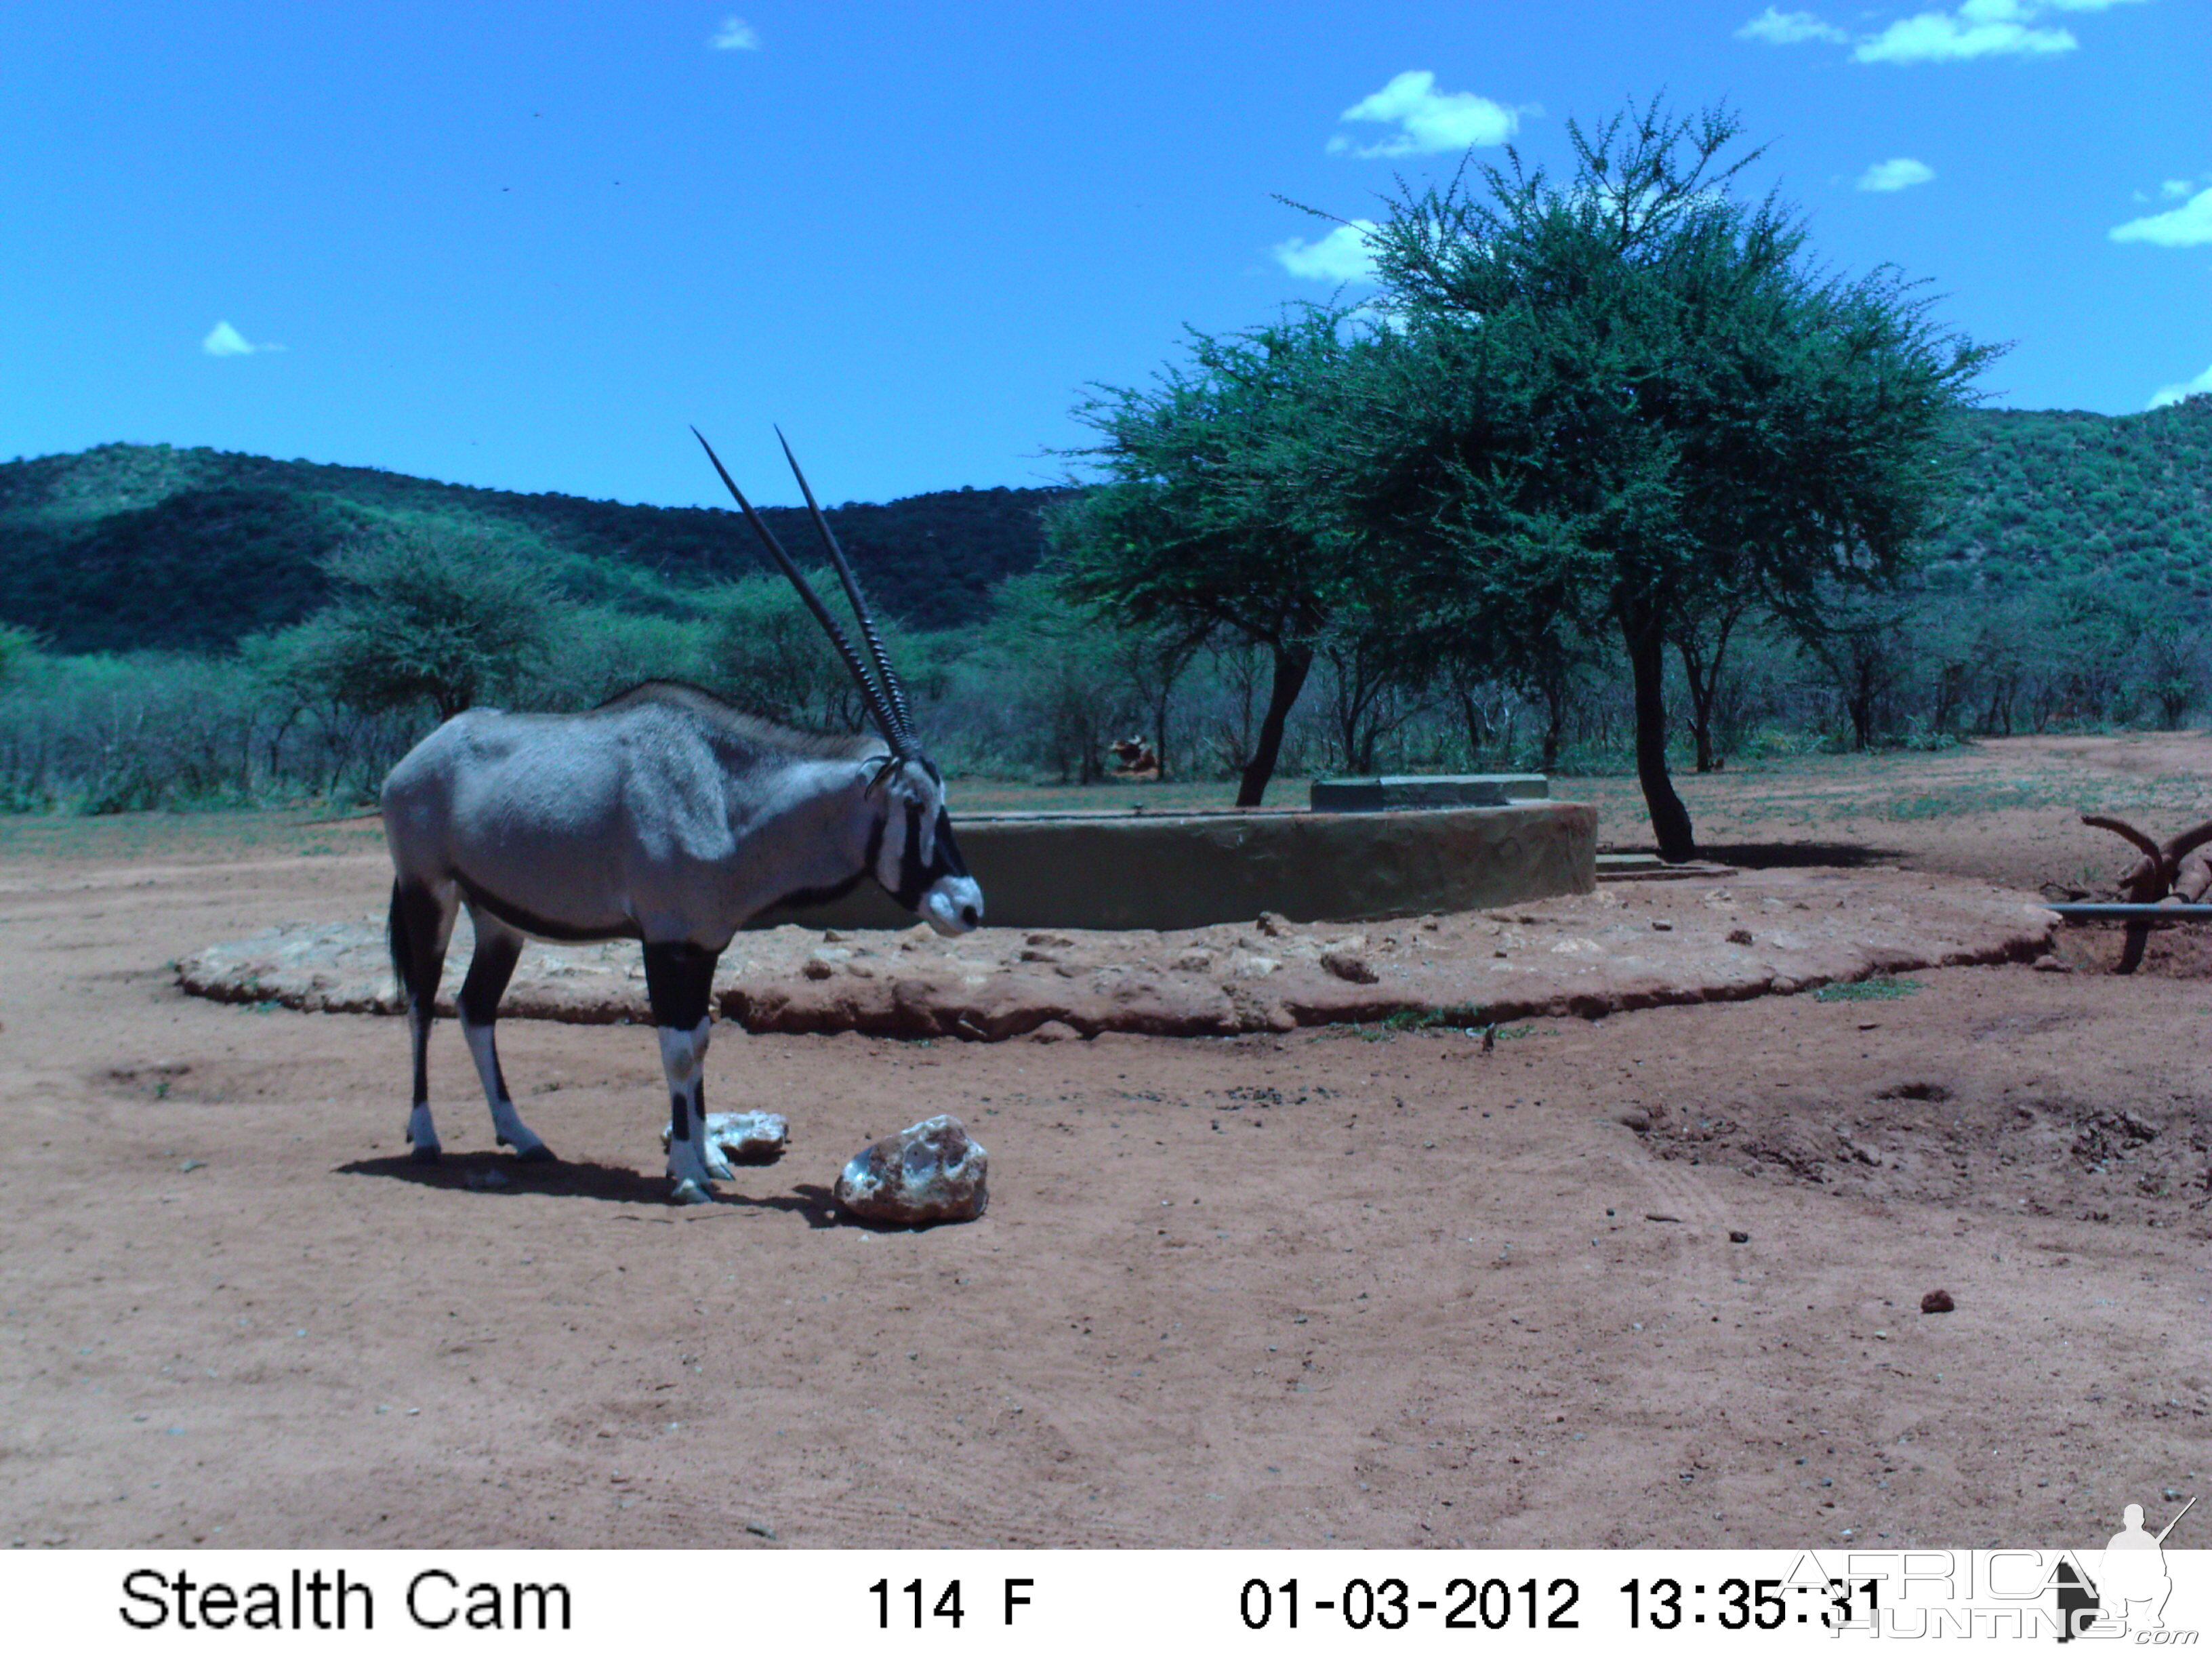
(744, 1136)
(931, 1171)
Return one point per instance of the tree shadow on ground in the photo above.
(495, 1174)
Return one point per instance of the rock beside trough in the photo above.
(931, 1171)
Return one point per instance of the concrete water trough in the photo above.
(1167, 870)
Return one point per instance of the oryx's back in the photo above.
(570, 825)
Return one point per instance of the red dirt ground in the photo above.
(1334, 1287)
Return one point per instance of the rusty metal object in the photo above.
(2171, 876)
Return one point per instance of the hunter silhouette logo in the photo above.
(2132, 1584)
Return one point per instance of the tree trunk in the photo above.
(1478, 728)
(1292, 665)
(1555, 717)
(1704, 681)
(1702, 686)
(1861, 705)
(1646, 638)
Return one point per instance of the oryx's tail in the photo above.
(403, 950)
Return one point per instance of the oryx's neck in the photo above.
(813, 828)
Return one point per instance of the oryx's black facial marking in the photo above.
(949, 861)
(911, 879)
(916, 878)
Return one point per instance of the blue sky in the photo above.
(525, 247)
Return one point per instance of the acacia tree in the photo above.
(768, 655)
(1626, 400)
(1213, 516)
(445, 617)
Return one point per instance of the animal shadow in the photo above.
(494, 1174)
(1799, 854)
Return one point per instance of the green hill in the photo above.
(2053, 493)
(129, 547)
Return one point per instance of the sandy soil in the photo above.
(1343, 1286)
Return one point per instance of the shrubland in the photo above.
(1608, 475)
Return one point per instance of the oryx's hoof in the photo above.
(540, 1153)
(690, 1192)
(717, 1168)
(424, 1153)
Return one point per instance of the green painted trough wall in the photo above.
(1190, 870)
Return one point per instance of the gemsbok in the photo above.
(666, 817)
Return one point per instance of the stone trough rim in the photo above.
(2013, 927)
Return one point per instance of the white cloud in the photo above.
(2174, 189)
(224, 341)
(1983, 28)
(2189, 225)
(1428, 121)
(1898, 173)
(2174, 394)
(735, 35)
(1342, 255)
(1788, 28)
(1977, 29)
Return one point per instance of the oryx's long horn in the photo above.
(894, 692)
(895, 731)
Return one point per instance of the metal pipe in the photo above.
(2132, 911)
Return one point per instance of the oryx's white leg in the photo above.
(690, 1164)
(679, 982)
(498, 945)
(421, 921)
(717, 1165)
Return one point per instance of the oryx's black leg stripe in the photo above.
(489, 969)
(679, 983)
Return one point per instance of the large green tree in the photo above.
(423, 614)
(1213, 515)
(1626, 400)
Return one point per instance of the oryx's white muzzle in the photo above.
(952, 905)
